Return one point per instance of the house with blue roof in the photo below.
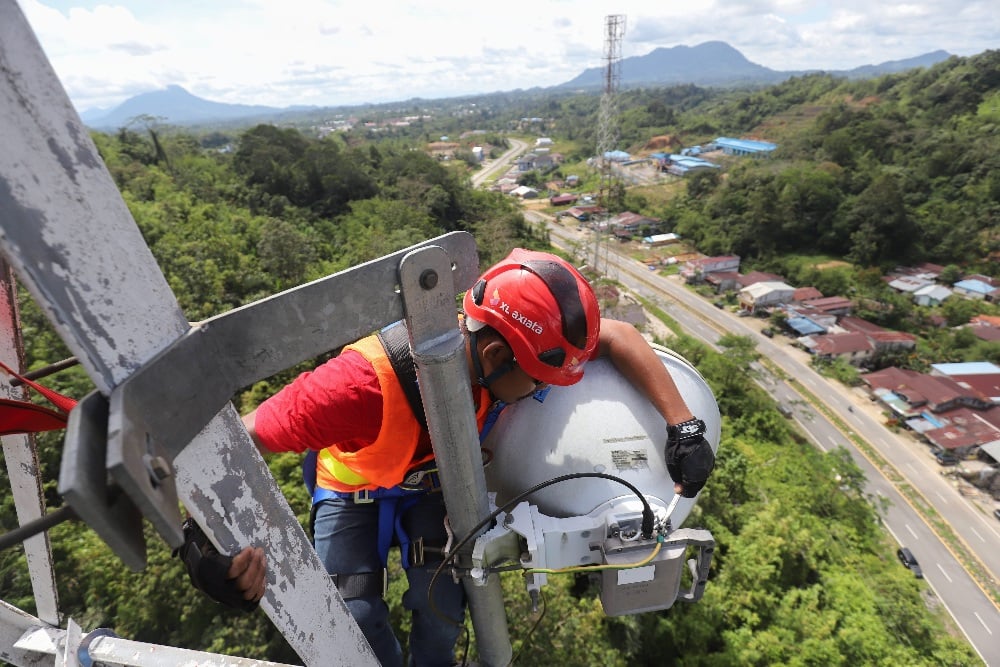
(731, 146)
(681, 164)
(803, 326)
(975, 289)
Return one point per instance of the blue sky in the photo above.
(341, 52)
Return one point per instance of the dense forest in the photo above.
(900, 168)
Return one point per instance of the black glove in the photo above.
(207, 569)
(689, 456)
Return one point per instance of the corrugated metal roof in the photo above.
(748, 145)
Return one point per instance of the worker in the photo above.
(529, 321)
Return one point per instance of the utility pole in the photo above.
(607, 127)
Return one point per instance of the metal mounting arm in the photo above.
(157, 410)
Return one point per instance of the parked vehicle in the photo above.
(768, 331)
(907, 558)
(947, 459)
(996, 513)
(785, 410)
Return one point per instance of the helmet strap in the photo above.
(501, 370)
(477, 364)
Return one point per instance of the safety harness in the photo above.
(393, 502)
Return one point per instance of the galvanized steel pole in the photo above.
(438, 347)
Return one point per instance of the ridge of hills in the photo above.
(711, 64)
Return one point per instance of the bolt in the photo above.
(159, 468)
(429, 279)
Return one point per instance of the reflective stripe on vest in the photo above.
(383, 463)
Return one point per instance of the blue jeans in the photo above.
(346, 534)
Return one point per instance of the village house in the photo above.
(803, 294)
(657, 240)
(908, 284)
(931, 295)
(631, 223)
(763, 295)
(981, 376)
(850, 346)
(563, 199)
(723, 281)
(833, 305)
(985, 327)
(884, 340)
(825, 322)
(949, 415)
(694, 270)
(974, 288)
(754, 277)
(583, 213)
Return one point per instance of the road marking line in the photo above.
(983, 622)
(977, 534)
(911, 531)
(944, 573)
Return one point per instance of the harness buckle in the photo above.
(363, 496)
(417, 552)
(422, 479)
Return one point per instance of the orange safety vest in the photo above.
(385, 462)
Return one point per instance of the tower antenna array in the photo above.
(609, 191)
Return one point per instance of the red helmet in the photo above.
(545, 310)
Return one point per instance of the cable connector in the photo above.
(648, 523)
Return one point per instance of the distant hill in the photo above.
(711, 64)
(176, 106)
(719, 64)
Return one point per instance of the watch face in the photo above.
(689, 429)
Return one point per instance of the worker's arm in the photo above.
(688, 456)
(635, 359)
(249, 421)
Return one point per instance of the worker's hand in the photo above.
(248, 572)
(689, 457)
(236, 582)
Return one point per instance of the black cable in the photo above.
(647, 519)
(45, 371)
(32, 528)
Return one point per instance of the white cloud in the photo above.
(347, 52)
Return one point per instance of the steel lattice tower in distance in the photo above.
(607, 121)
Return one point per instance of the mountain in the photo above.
(711, 64)
(719, 64)
(891, 66)
(176, 106)
(708, 64)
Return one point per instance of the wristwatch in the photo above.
(692, 428)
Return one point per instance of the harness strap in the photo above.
(396, 341)
(361, 584)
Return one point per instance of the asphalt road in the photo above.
(973, 611)
(493, 167)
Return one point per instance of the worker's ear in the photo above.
(497, 352)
